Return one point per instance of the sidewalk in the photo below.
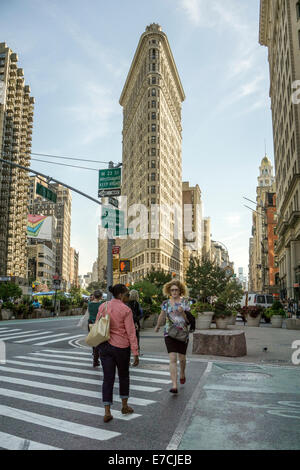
(278, 342)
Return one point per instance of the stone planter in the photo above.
(276, 321)
(253, 321)
(203, 321)
(6, 314)
(151, 321)
(221, 323)
(231, 320)
(292, 324)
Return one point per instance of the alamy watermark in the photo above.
(296, 354)
(296, 94)
(141, 222)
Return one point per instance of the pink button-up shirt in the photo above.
(122, 329)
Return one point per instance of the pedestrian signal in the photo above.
(125, 266)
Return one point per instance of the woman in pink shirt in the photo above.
(116, 351)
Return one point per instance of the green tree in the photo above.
(95, 285)
(9, 290)
(205, 279)
(232, 294)
(158, 278)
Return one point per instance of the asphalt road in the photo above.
(50, 396)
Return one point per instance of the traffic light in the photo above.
(125, 266)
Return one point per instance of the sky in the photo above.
(76, 56)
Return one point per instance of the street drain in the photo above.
(247, 376)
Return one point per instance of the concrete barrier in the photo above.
(229, 343)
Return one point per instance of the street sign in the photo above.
(109, 192)
(116, 250)
(114, 202)
(110, 178)
(125, 266)
(46, 193)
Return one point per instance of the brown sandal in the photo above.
(127, 410)
(107, 418)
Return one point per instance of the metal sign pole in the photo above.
(110, 243)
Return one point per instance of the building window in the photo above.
(299, 37)
(298, 10)
(152, 257)
(153, 104)
(153, 92)
(153, 139)
(153, 152)
(153, 190)
(153, 127)
(153, 164)
(153, 201)
(153, 115)
(153, 67)
(153, 176)
(153, 80)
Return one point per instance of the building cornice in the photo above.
(263, 22)
(138, 51)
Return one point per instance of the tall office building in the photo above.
(16, 121)
(262, 262)
(152, 159)
(62, 211)
(280, 33)
(192, 224)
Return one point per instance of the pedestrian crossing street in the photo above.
(35, 337)
(51, 397)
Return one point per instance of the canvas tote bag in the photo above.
(99, 331)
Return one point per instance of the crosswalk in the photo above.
(34, 337)
(53, 397)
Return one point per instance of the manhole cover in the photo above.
(247, 376)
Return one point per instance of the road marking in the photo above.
(179, 431)
(43, 400)
(52, 351)
(10, 332)
(89, 359)
(6, 330)
(152, 359)
(9, 442)
(140, 388)
(93, 372)
(42, 337)
(71, 390)
(57, 340)
(58, 424)
(20, 335)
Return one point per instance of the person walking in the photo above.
(175, 311)
(93, 307)
(132, 300)
(115, 353)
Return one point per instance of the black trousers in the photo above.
(95, 350)
(112, 358)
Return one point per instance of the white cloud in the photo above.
(94, 111)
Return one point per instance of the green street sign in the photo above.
(46, 193)
(110, 179)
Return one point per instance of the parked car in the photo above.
(253, 299)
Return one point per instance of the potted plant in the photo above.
(203, 313)
(232, 319)
(253, 315)
(276, 313)
(221, 315)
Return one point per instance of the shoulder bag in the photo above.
(177, 333)
(99, 332)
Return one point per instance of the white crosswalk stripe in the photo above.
(9, 442)
(34, 337)
(30, 393)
